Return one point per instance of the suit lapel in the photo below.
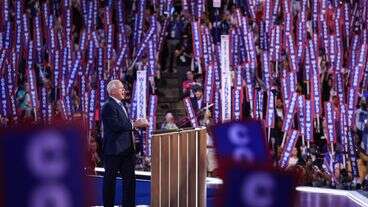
(121, 110)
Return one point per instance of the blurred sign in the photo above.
(241, 141)
(257, 187)
(258, 184)
(217, 3)
(42, 167)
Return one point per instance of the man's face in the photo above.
(120, 92)
(190, 75)
(198, 94)
(335, 101)
(278, 103)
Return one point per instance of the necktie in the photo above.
(126, 114)
(123, 107)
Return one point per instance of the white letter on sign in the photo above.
(51, 195)
(46, 155)
(238, 136)
(258, 190)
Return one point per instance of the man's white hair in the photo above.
(112, 85)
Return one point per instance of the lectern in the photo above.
(179, 168)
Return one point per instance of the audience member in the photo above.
(169, 122)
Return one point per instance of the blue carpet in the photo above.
(143, 192)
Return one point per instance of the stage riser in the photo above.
(143, 192)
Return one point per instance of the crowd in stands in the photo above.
(176, 56)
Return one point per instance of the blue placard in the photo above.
(365, 95)
(42, 167)
(260, 187)
(241, 141)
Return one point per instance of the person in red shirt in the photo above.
(187, 84)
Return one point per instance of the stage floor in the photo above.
(306, 196)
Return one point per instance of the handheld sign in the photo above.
(244, 187)
(42, 167)
(241, 141)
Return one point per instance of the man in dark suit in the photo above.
(118, 145)
(197, 100)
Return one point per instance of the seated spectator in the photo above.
(169, 122)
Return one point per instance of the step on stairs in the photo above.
(169, 97)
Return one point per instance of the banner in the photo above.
(270, 113)
(207, 47)
(288, 120)
(352, 155)
(268, 20)
(259, 103)
(138, 26)
(237, 96)
(288, 148)
(330, 123)
(266, 72)
(44, 105)
(357, 75)
(4, 98)
(225, 79)
(309, 117)
(352, 102)
(301, 32)
(301, 112)
(291, 50)
(234, 48)
(18, 26)
(141, 90)
(217, 99)
(32, 77)
(133, 105)
(184, 3)
(73, 76)
(340, 86)
(196, 35)
(152, 121)
(144, 44)
(208, 85)
(91, 109)
(83, 92)
(249, 83)
(292, 82)
(315, 81)
(277, 51)
(190, 113)
(285, 89)
(343, 126)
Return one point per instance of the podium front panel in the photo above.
(179, 169)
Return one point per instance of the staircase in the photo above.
(169, 97)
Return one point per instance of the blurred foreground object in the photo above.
(248, 175)
(261, 187)
(43, 166)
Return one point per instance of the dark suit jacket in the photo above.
(195, 105)
(117, 129)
